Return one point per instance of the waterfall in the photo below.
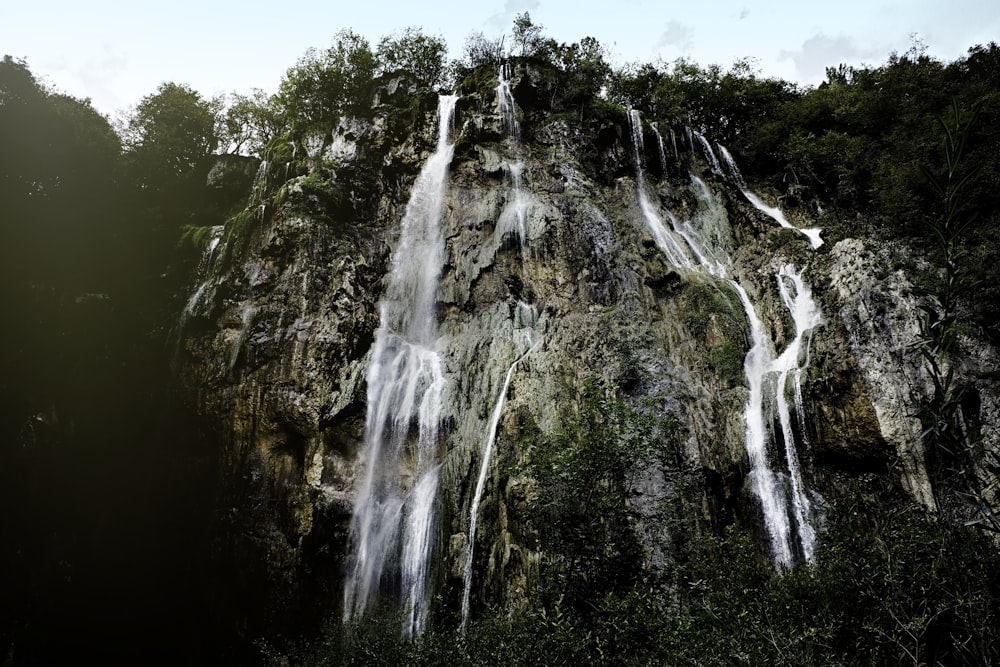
(259, 186)
(797, 297)
(514, 218)
(660, 148)
(713, 162)
(525, 316)
(768, 376)
(664, 238)
(246, 319)
(505, 102)
(774, 213)
(765, 483)
(787, 508)
(202, 272)
(392, 526)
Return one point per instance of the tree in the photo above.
(526, 35)
(324, 85)
(413, 52)
(481, 51)
(59, 163)
(170, 133)
(584, 68)
(249, 123)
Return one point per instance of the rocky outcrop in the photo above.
(275, 353)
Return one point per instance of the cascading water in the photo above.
(797, 297)
(665, 239)
(505, 102)
(660, 148)
(246, 319)
(768, 376)
(204, 266)
(525, 319)
(774, 213)
(789, 515)
(259, 183)
(514, 218)
(713, 162)
(392, 526)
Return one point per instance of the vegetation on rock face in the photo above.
(584, 475)
(891, 585)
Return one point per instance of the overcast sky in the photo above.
(115, 52)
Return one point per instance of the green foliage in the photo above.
(480, 51)
(727, 362)
(583, 71)
(420, 56)
(891, 585)
(170, 134)
(714, 314)
(721, 104)
(197, 236)
(249, 123)
(60, 161)
(324, 85)
(584, 473)
(526, 35)
(952, 446)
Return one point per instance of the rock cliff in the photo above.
(274, 349)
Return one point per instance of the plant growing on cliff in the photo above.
(584, 474)
(950, 444)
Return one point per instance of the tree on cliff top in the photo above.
(323, 85)
(411, 51)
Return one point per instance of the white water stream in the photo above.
(525, 319)
(392, 526)
(666, 240)
(203, 272)
(514, 218)
(772, 212)
(789, 515)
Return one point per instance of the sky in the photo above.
(115, 53)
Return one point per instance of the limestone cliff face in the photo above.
(275, 350)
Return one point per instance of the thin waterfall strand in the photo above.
(713, 162)
(528, 316)
(663, 237)
(514, 218)
(772, 212)
(660, 148)
(766, 487)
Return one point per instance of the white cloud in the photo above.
(821, 51)
(678, 36)
(745, 12)
(503, 20)
(92, 75)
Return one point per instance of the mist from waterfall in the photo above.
(392, 527)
